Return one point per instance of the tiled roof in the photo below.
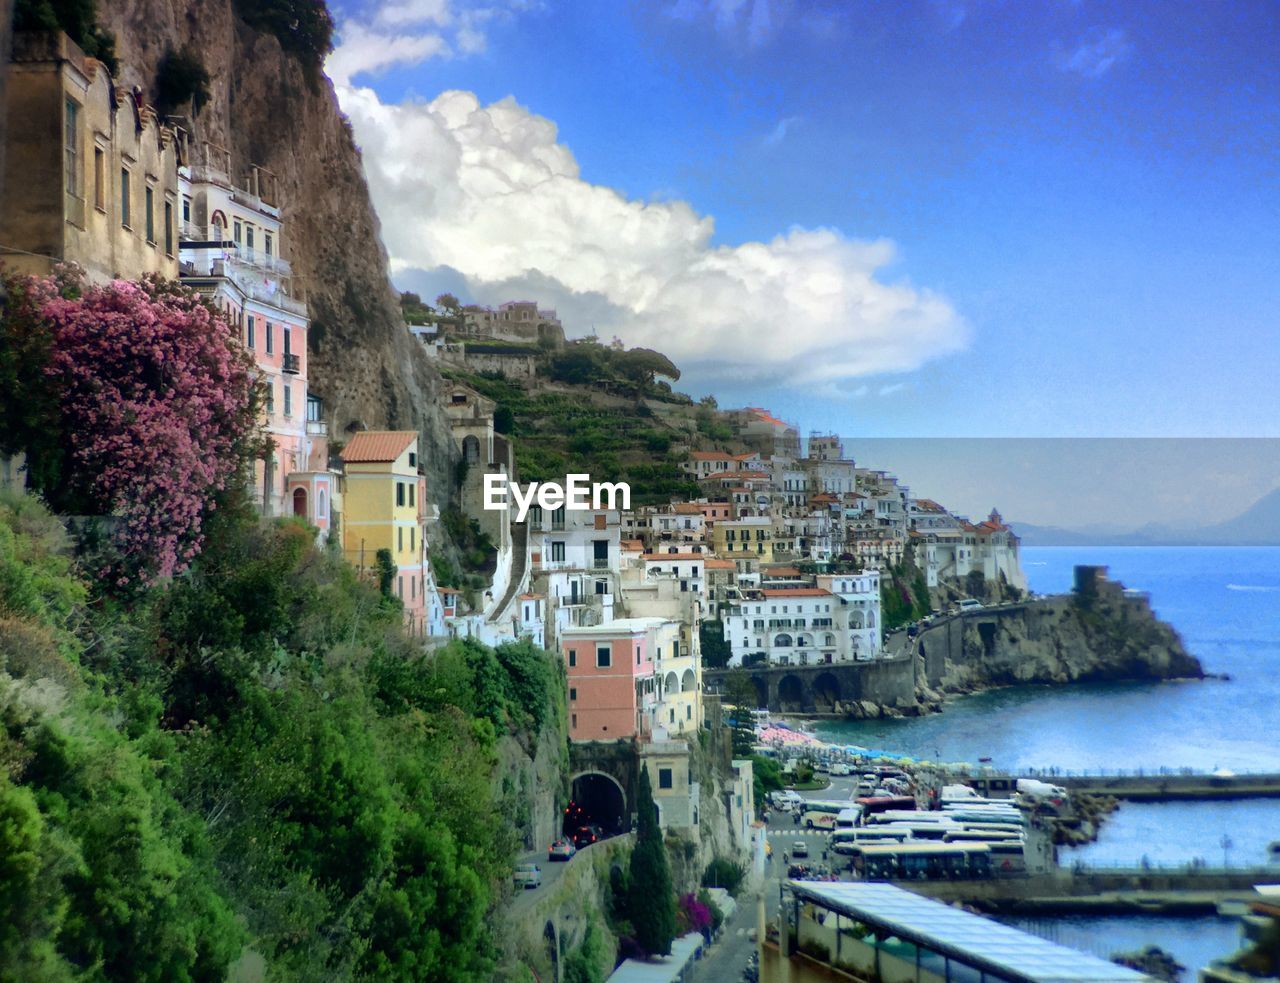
(796, 592)
(688, 508)
(632, 544)
(377, 445)
(714, 564)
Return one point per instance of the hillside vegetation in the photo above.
(251, 760)
(600, 410)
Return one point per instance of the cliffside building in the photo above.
(91, 173)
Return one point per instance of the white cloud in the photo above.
(779, 132)
(1096, 54)
(490, 193)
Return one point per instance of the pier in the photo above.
(1116, 890)
(1138, 787)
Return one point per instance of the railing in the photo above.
(317, 428)
(600, 563)
(292, 366)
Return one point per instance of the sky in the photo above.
(927, 218)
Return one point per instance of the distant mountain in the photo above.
(1259, 525)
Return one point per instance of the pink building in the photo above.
(612, 690)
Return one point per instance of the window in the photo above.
(604, 656)
(575, 720)
(248, 237)
(248, 337)
(400, 587)
(413, 588)
(72, 147)
(573, 693)
(150, 218)
(557, 518)
(664, 778)
(266, 248)
(124, 198)
(236, 232)
(413, 459)
(399, 493)
(412, 540)
(168, 228)
(271, 339)
(271, 395)
(186, 209)
(287, 340)
(412, 493)
(573, 658)
(99, 179)
(288, 399)
(399, 540)
(557, 552)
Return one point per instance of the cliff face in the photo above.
(363, 363)
(1060, 641)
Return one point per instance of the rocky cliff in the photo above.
(1057, 640)
(265, 110)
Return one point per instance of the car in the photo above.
(800, 849)
(527, 876)
(561, 849)
(586, 835)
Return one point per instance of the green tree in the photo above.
(181, 78)
(652, 902)
(715, 650)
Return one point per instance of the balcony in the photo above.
(292, 365)
(600, 563)
(317, 428)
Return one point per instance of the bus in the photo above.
(848, 818)
(908, 816)
(820, 815)
(883, 803)
(922, 831)
(846, 841)
(910, 861)
(964, 834)
(1008, 857)
(987, 818)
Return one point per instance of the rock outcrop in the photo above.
(1062, 640)
(265, 110)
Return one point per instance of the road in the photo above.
(725, 961)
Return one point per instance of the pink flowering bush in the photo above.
(156, 410)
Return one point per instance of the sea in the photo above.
(1225, 602)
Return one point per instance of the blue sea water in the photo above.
(1226, 605)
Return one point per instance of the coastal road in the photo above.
(725, 961)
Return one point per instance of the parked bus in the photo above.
(876, 804)
(846, 841)
(964, 834)
(986, 818)
(923, 831)
(848, 818)
(911, 861)
(908, 816)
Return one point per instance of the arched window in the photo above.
(322, 511)
(829, 640)
(687, 682)
(871, 619)
(300, 502)
(782, 641)
(471, 448)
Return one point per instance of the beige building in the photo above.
(91, 175)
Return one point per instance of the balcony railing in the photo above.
(600, 563)
(317, 428)
(292, 364)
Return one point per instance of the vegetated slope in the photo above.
(275, 109)
(604, 426)
(254, 764)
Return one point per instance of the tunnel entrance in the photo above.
(790, 694)
(597, 801)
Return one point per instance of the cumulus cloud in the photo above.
(1096, 54)
(487, 199)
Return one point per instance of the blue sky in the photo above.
(1090, 189)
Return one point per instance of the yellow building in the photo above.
(743, 540)
(90, 173)
(384, 509)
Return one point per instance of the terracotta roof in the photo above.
(780, 572)
(688, 508)
(377, 445)
(796, 592)
(532, 597)
(632, 544)
(714, 564)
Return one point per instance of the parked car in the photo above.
(561, 849)
(800, 849)
(527, 876)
